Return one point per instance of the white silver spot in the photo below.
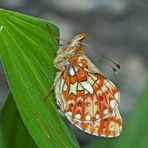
(76, 69)
(69, 113)
(95, 134)
(97, 116)
(116, 95)
(103, 135)
(78, 116)
(106, 111)
(86, 69)
(110, 136)
(112, 103)
(65, 87)
(87, 86)
(80, 64)
(72, 73)
(87, 132)
(88, 117)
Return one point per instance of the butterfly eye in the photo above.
(79, 44)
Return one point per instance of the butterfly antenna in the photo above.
(109, 61)
(55, 35)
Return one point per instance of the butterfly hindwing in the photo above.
(85, 95)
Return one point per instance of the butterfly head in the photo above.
(77, 40)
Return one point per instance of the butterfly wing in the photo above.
(85, 95)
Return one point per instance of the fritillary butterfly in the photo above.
(84, 95)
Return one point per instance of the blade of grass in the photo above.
(13, 132)
(27, 52)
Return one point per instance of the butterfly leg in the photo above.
(56, 36)
(52, 87)
(49, 92)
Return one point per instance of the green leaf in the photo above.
(1, 137)
(135, 130)
(13, 132)
(27, 50)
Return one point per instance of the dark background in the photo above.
(118, 27)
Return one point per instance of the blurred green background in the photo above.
(120, 29)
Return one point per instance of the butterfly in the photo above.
(84, 95)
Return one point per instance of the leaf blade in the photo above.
(17, 136)
(27, 55)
